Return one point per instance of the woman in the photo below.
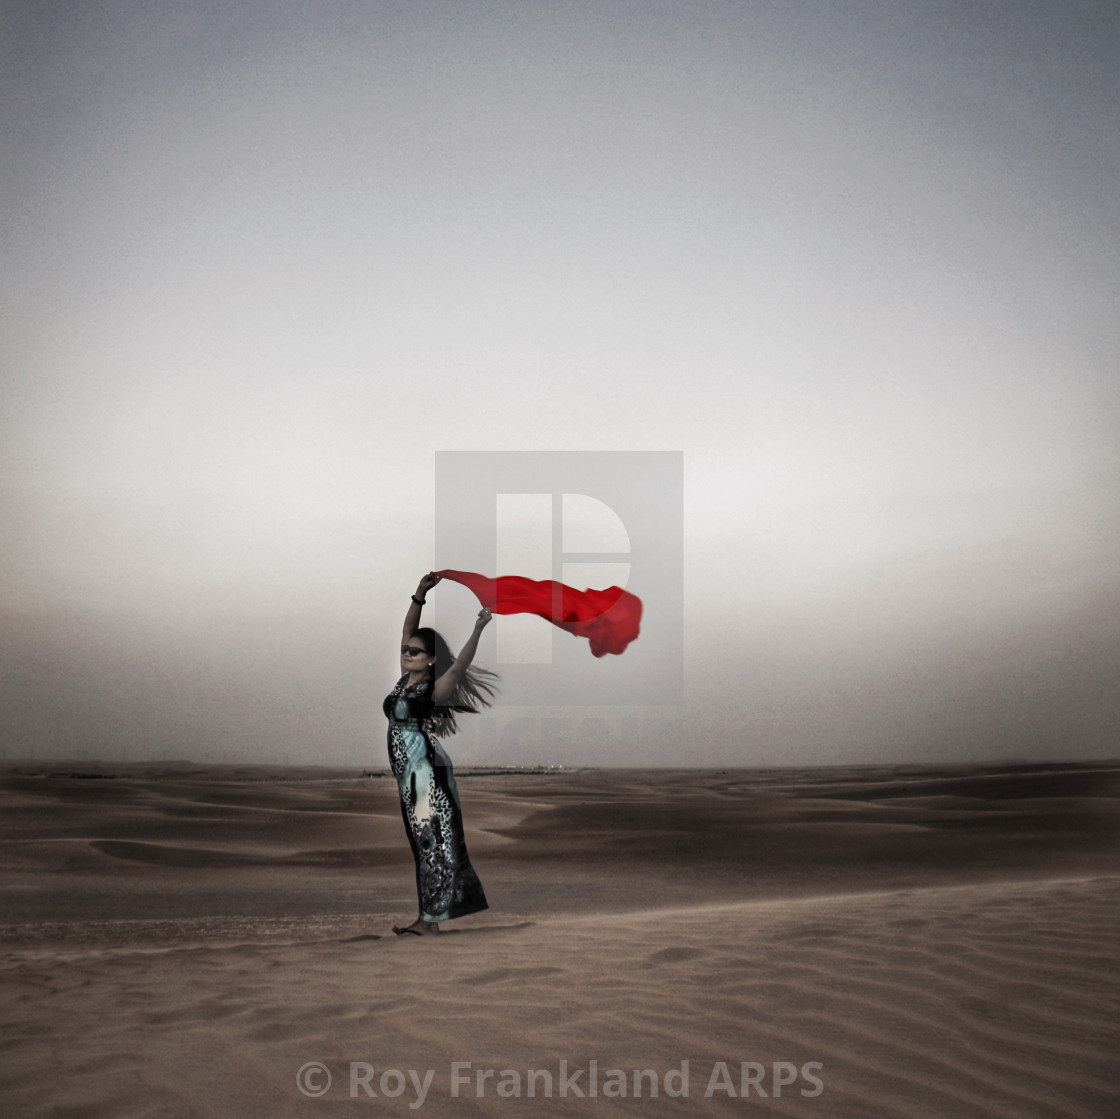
(432, 688)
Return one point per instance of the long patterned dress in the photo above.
(446, 883)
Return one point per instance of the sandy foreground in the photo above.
(206, 941)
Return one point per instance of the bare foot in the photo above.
(419, 927)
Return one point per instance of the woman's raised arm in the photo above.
(412, 618)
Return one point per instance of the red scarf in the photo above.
(608, 619)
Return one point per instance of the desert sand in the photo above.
(200, 941)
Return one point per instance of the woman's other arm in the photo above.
(449, 681)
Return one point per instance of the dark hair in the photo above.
(474, 689)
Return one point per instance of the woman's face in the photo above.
(414, 657)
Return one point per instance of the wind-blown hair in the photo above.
(473, 692)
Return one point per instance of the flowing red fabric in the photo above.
(608, 619)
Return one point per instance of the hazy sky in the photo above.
(858, 261)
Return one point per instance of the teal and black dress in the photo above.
(446, 883)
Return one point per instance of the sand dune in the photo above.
(863, 942)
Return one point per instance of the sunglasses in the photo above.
(413, 651)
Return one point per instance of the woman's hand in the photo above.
(427, 583)
(484, 616)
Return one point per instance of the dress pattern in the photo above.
(446, 883)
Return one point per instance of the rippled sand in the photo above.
(865, 942)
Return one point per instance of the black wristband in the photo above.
(419, 601)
